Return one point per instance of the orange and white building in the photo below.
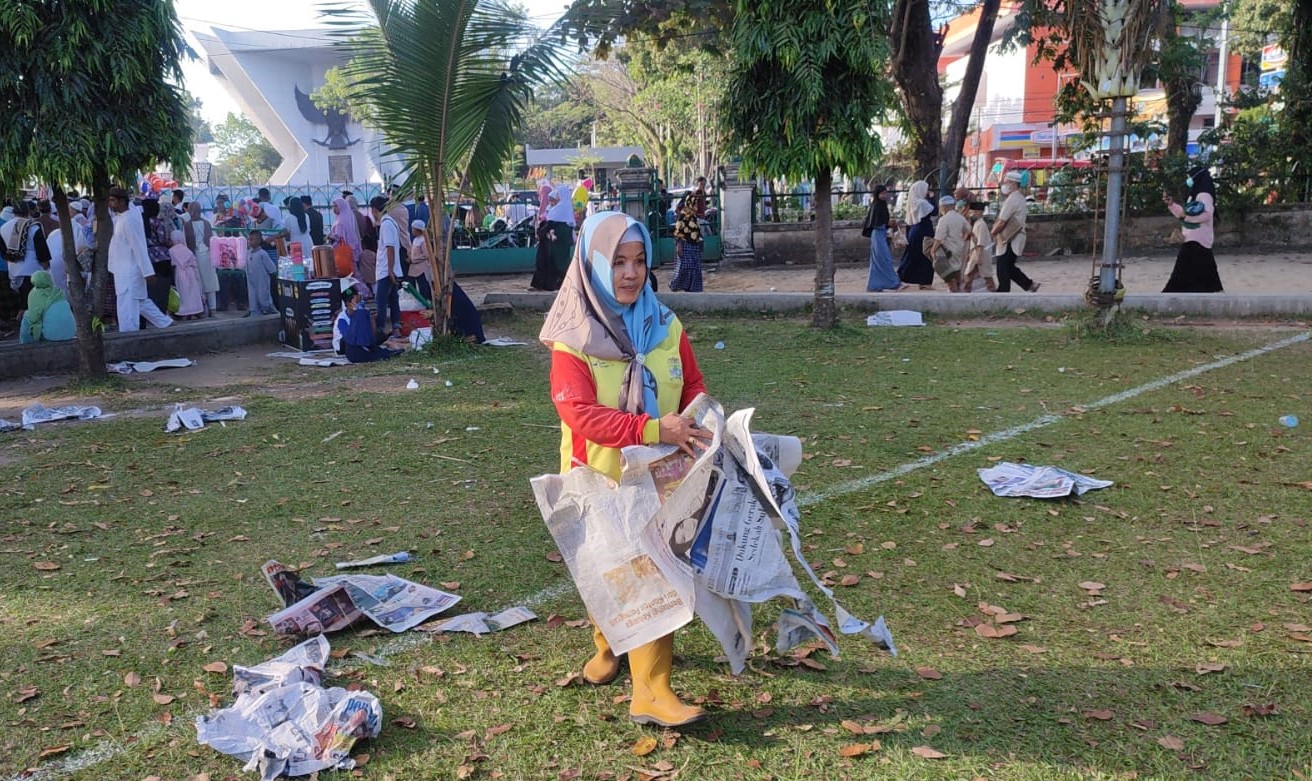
(1016, 102)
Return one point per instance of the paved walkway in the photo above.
(1273, 274)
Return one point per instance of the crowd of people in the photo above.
(961, 248)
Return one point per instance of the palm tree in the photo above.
(1109, 44)
(450, 82)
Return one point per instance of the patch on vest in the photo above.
(676, 368)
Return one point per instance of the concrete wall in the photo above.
(1269, 228)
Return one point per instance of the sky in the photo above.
(201, 15)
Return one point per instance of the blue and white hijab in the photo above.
(586, 316)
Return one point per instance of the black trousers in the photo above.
(1008, 272)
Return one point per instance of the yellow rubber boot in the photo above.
(654, 702)
(602, 668)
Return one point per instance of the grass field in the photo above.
(130, 560)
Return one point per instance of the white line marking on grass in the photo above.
(852, 486)
(107, 750)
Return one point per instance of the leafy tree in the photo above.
(245, 155)
(805, 85)
(1181, 66)
(915, 48)
(339, 93)
(450, 82)
(562, 116)
(90, 96)
(201, 131)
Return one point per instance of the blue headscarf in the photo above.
(587, 317)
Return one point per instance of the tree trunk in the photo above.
(825, 314)
(914, 48)
(441, 252)
(1182, 100)
(965, 102)
(82, 298)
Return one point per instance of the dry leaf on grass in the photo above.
(959, 590)
(217, 668)
(555, 557)
(1034, 649)
(46, 566)
(1302, 587)
(1099, 715)
(644, 746)
(925, 752)
(26, 693)
(1209, 718)
(850, 580)
(1204, 668)
(995, 632)
(929, 673)
(492, 732)
(163, 699)
(1171, 742)
(131, 680)
(857, 749)
(53, 751)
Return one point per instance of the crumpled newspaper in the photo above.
(285, 723)
(39, 413)
(141, 367)
(1038, 482)
(194, 419)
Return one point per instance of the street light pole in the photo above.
(1115, 174)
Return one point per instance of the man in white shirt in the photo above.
(129, 262)
(1009, 235)
(388, 268)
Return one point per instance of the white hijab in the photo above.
(917, 206)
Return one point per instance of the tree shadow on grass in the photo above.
(1092, 720)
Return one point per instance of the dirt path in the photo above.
(1251, 273)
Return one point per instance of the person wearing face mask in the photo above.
(1009, 235)
(622, 369)
(915, 268)
(1195, 265)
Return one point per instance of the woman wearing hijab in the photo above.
(621, 370)
(158, 228)
(186, 278)
(545, 274)
(560, 219)
(345, 238)
(199, 233)
(878, 220)
(1195, 265)
(353, 332)
(48, 317)
(688, 248)
(915, 268)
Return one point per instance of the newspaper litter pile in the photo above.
(38, 413)
(285, 722)
(479, 624)
(336, 602)
(1038, 482)
(678, 537)
(142, 367)
(193, 419)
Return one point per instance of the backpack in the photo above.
(16, 248)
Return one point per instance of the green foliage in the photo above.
(601, 24)
(201, 130)
(1253, 22)
(806, 83)
(339, 93)
(562, 116)
(245, 155)
(89, 90)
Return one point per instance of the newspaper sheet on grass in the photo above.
(1039, 482)
(285, 723)
(335, 602)
(679, 536)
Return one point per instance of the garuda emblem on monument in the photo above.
(334, 119)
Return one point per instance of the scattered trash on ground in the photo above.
(334, 360)
(1288, 421)
(194, 419)
(1038, 482)
(504, 341)
(896, 317)
(38, 414)
(449, 383)
(142, 367)
(285, 722)
(412, 385)
(420, 337)
(719, 345)
(481, 623)
(334, 603)
(387, 558)
(312, 357)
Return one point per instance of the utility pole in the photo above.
(1221, 67)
